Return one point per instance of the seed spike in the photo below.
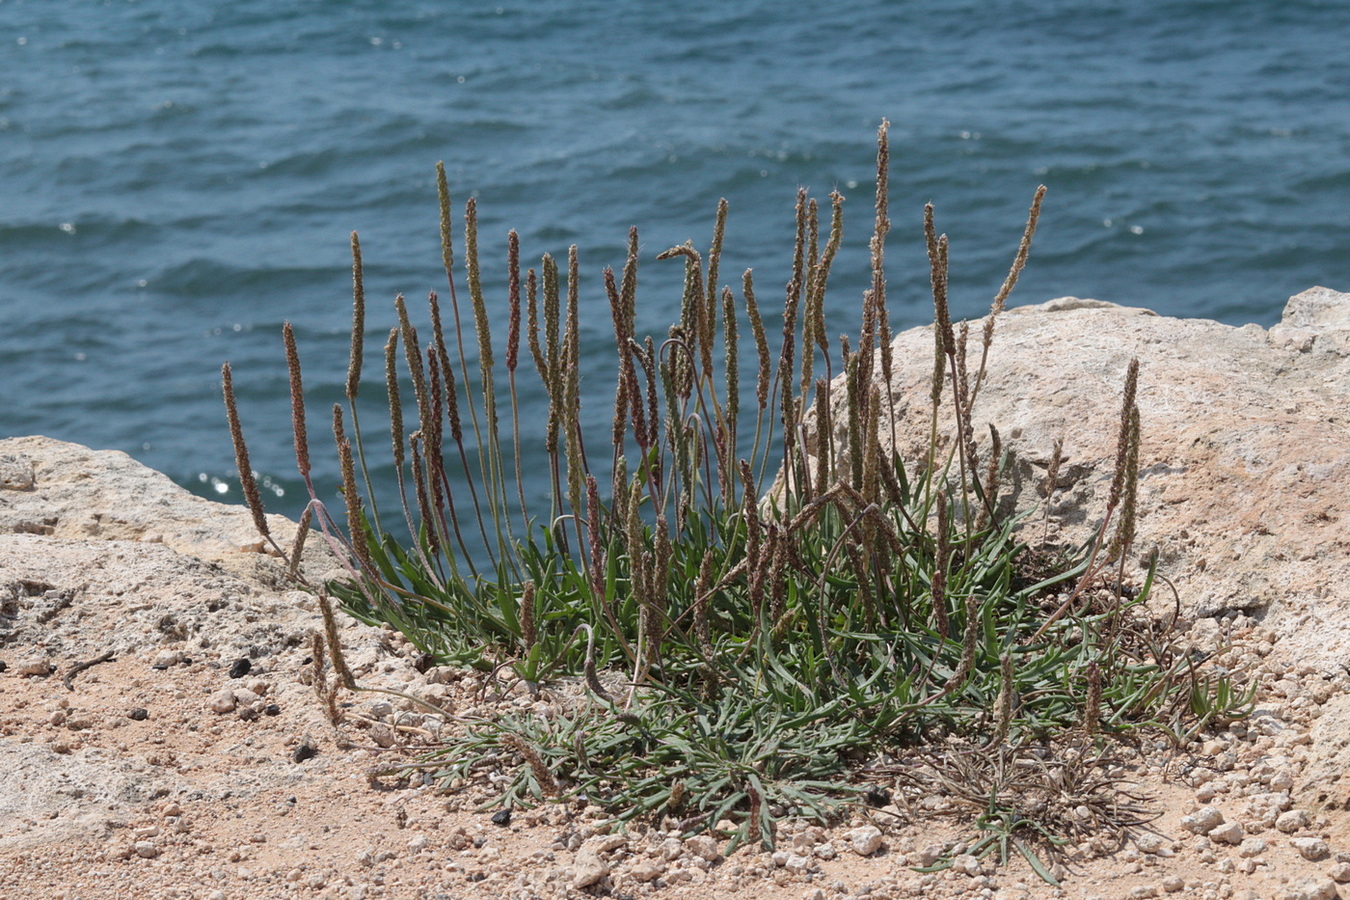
(247, 482)
(358, 321)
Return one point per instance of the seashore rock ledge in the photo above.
(142, 775)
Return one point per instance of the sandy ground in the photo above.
(157, 774)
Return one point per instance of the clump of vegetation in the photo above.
(746, 653)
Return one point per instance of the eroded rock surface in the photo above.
(143, 776)
(1245, 444)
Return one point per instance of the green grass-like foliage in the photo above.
(742, 650)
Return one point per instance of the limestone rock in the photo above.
(1244, 446)
(99, 554)
(67, 491)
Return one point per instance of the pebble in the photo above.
(608, 843)
(145, 849)
(222, 701)
(865, 840)
(1252, 847)
(1311, 848)
(1227, 833)
(1203, 820)
(671, 849)
(1317, 888)
(1292, 821)
(646, 871)
(1148, 842)
(167, 658)
(704, 847)
(35, 665)
(308, 748)
(588, 868)
(1207, 792)
(245, 697)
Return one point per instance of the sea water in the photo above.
(179, 178)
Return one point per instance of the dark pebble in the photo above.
(139, 714)
(502, 817)
(877, 797)
(272, 709)
(305, 751)
(240, 668)
(3, 665)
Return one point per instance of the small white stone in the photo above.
(1203, 820)
(1173, 883)
(34, 665)
(704, 847)
(1252, 847)
(1148, 842)
(671, 849)
(166, 658)
(966, 864)
(606, 843)
(1292, 821)
(222, 701)
(646, 870)
(1227, 833)
(865, 840)
(1311, 848)
(145, 849)
(1316, 888)
(588, 868)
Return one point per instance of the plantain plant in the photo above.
(746, 651)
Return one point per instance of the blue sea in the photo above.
(177, 178)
